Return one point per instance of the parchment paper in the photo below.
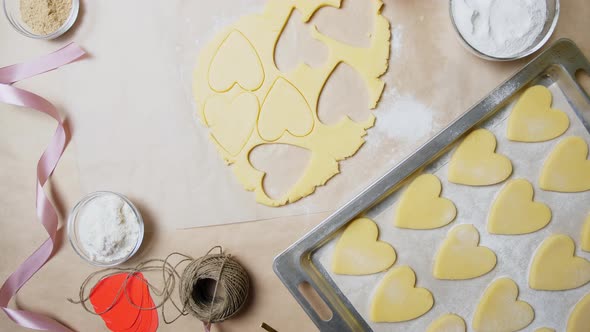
(514, 253)
(132, 107)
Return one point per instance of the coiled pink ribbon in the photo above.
(47, 163)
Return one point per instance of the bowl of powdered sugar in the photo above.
(105, 228)
(504, 30)
(41, 19)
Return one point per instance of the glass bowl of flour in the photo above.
(41, 19)
(105, 228)
(504, 30)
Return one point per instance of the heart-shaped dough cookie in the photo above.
(358, 252)
(284, 110)
(586, 234)
(499, 310)
(515, 212)
(231, 121)
(475, 163)
(545, 329)
(396, 298)
(235, 62)
(533, 119)
(448, 323)
(460, 256)
(567, 169)
(555, 266)
(579, 319)
(424, 191)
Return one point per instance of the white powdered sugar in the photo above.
(108, 228)
(500, 28)
(407, 119)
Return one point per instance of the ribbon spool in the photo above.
(214, 287)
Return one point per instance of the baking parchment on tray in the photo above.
(349, 297)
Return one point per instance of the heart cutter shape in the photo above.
(460, 256)
(532, 118)
(514, 211)
(236, 62)
(424, 191)
(579, 319)
(567, 169)
(448, 323)
(555, 266)
(358, 252)
(397, 299)
(231, 121)
(284, 110)
(499, 309)
(475, 162)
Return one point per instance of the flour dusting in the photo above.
(407, 119)
(396, 40)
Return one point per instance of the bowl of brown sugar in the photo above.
(41, 19)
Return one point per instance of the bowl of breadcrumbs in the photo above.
(41, 19)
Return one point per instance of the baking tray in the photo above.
(304, 261)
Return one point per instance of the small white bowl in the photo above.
(548, 29)
(12, 12)
(74, 237)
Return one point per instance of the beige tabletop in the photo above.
(118, 101)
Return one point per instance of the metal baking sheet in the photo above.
(348, 297)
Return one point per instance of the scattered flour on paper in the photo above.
(407, 119)
(396, 40)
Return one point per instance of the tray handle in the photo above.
(573, 56)
(290, 271)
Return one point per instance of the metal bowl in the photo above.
(12, 12)
(553, 7)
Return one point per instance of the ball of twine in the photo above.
(230, 291)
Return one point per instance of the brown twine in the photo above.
(230, 292)
(229, 295)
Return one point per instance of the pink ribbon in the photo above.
(45, 210)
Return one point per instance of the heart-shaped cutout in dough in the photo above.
(567, 169)
(533, 119)
(475, 162)
(460, 256)
(499, 310)
(515, 212)
(235, 62)
(397, 299)
(555, 266)
(448, 323)
(283, 166)
(284, 110)
(296, 46)
(586, 235)
(231, 121)
(424, 191)
(579, 319)
(358, 252)
(344, 96)
(351, 24)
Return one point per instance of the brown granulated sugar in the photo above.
(45, 16)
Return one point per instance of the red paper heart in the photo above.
(123, 314)
(142, 321)
(154, 316)
(147, 320)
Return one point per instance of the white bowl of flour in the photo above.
(504, 30)
(105, 228)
